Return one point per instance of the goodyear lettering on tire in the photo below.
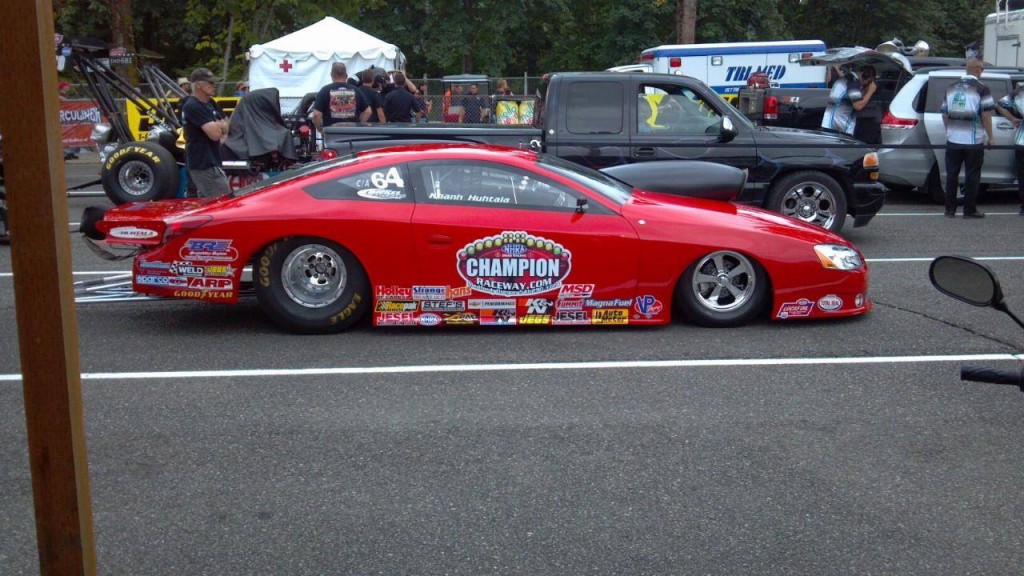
(264, 268)
(126, 150)
(348, 311)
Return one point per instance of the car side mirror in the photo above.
(581, 205)
(727, 130)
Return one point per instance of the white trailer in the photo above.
(1003, 33)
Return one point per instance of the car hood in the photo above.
(858, 56)
(719, 221)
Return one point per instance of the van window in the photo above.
(937, 91)
(594, 107)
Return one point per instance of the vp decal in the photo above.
(514, 264)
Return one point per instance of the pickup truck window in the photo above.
(673, 109)
(487, 184)
(594, 107)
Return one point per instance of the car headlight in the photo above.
(838, 257)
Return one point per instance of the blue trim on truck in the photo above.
(745, 48)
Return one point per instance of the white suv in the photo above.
(914, 121)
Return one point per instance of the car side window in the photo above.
(488, 184)
(387, 183)
(676, 110)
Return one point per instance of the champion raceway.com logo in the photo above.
(514, 264)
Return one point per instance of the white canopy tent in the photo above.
(300, 62)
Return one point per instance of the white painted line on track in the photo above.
(982, 258)
(90, 273)
(933, 214)
(371, 370)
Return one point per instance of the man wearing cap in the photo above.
(184, 85)
(205, 129)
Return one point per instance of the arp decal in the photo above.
(617, 316)
(206, 250)
(647, 306)
(514, 264)
(801, 307)
(211, 283)
(830, 303)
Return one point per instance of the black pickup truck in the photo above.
(601, 119)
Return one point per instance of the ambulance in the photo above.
(725, 67)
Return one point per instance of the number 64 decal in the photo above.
(381, 180)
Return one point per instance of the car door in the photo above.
(672, 121)
(501, 236)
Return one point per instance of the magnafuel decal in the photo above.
(514, 264)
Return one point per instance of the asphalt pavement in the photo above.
(220, 445)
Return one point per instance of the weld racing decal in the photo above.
(514, 264)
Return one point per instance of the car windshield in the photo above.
(612, 189)
(297, 172)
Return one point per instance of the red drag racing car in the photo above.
(440, 235)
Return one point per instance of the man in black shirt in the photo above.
(474, 107)
(337, 101)
(400, 105)
(206, 128)
(374, 101)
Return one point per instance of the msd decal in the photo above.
(514, 264)
(576, 291)
(204, 250)
(647, 306)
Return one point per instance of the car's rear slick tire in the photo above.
(722, 289)
(311, 285)
(139, 172)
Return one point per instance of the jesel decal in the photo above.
(514, 264)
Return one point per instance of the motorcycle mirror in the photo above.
(966, 280)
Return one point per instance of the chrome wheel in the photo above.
(724, 281)
(314, 276)
(136, 178)
(811, 202)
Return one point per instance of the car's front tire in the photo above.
(722, 289)
(813, 197)
(311, 285)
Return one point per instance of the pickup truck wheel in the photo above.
(311, 285)
(139, 172)
(814, 197)
(722, 289)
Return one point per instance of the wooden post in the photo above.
(41, 259)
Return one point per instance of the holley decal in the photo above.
(514, 264)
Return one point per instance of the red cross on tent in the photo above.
(286, 66)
